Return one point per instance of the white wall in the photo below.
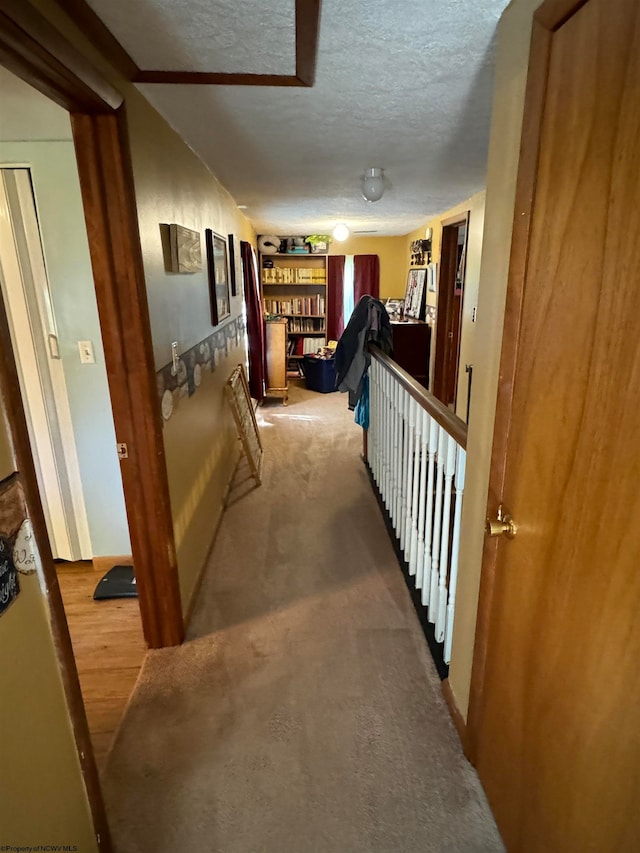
(59, 205)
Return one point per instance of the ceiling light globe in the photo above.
(340, 232)
(372, 185)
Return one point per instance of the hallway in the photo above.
(303, 713)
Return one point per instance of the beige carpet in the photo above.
(303, 713)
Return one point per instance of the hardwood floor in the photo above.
(109, 649)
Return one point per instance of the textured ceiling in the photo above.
(401, 84)
(204, 35)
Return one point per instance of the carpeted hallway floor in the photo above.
(303, 714)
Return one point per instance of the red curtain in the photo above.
(366, 277)
(335, 294)
(255, 321)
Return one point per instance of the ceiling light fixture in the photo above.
(340, 232)
(373, 184)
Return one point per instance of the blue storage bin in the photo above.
(319, 374)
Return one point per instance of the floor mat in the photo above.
(119, 582)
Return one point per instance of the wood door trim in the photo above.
(458, 219)
(34, 50)
(13, 411)
(524, 199)
(554, 13)
(106, 181)
(445, 305)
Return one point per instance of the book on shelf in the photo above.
(300, 325)
(304, 346)
(290, 275)
(303, 305)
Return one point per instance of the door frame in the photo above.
(444, 309)
(45, 393)
(546, 20)
(38, 53)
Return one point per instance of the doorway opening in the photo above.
(450, 301)
(47, 287)
(38, 52)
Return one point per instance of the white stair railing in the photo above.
(416, 450)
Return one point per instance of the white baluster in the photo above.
(423, 440)
(437, 527)
(386, 453)
(393, 470)
(411, 464)
(461, 464)
(398, 458)
(449, 470)
(375, 417)
(391, 457)
(434, 434)
(417, 456)
(402, 485)
(407, 480)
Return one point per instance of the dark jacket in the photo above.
(369, 323)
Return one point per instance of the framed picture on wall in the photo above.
(218, 273)
(232, 265)
(432, 277)
(414, 297)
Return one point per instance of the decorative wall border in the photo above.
(194, 363)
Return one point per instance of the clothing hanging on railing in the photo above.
(361, 413)
(369, 323)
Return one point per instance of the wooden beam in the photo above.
(207, 78)
(36, 52)
(99, 35)
(307, 25)
(307, 31)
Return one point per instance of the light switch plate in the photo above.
(85, 348)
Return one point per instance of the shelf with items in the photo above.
(294, 287)
(296, 306)
(302, 345)
(293, 275)
(306, 325)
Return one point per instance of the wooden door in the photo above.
(558, 723)
(448, 325)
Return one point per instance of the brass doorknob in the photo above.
(502, 525)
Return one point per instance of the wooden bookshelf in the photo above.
(294, 287)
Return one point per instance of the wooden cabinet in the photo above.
(294, 287)
(276, 382)
(412, 348)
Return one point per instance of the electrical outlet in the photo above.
(85, 348)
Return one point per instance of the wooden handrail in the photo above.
(446, 418)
